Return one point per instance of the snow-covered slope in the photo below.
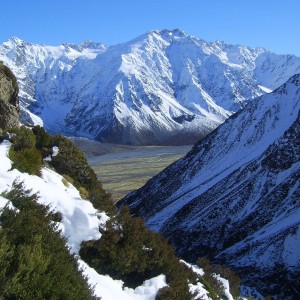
(39, 65)
(81, 222)
(164, 87)
(235, 195)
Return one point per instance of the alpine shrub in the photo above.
(23, 139)
(71, 161)
(34, 260)
(128, 251)
(44, 140)
(27, 160)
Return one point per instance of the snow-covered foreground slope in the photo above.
(164, 87)
(235, 195)
(80, 222)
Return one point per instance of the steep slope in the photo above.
(235, 196)
(164, 87)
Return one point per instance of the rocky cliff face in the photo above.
(235, 196)
(9, 104)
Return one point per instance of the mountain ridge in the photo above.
(163, 87)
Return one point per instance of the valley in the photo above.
(126, 169)
(232, 199)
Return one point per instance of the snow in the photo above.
(197, 289)
(4, 202)
(225, 284)
(274, 114)
(163, 74)
(80, 222)
(55, 151)
(110, 289)
(265, 89)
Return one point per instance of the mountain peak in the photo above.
(15, 40)
(177, 33)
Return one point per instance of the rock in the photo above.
(9, 103)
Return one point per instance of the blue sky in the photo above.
(272, 24)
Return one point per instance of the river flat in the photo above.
(124, 171)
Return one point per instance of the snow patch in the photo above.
(265, 89)
(109, 289)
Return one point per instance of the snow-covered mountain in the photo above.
(164, 87)
(235, 195)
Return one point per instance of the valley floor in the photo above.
(124, 171)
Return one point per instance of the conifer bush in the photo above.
(101, 200)
(23, 139)
(212, 284)
(27, 160)
(128, 251)
(23, 153)
(34, 260)
(71, 161)
(232, 277)
(44, 140)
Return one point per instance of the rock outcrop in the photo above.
(9, 103)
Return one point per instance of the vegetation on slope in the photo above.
(127, 250)
(35, 262)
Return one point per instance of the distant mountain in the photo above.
(235, 196)
(164, 87)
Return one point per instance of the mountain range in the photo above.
(235, 195)
(164, 87)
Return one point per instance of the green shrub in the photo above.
(211, 284)
(166, 293)
(101, 200)
(44, 140)
(34, 260)
(68, 179)
(27, 160)
(23, 139)
(71, 161)
(83, 192)
(128, 251)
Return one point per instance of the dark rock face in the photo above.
(9, 104)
